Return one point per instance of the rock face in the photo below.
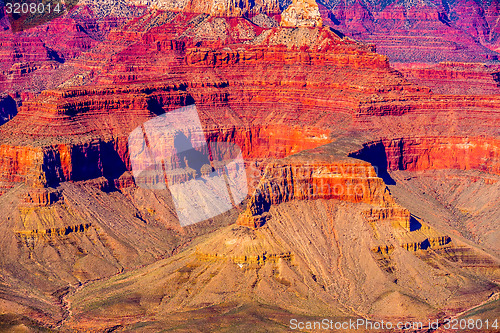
(345, 180)
(36, 59)
(301, 13)
(226, 8)
(424, 153)
(323, 123)
(83, 115)
(455, 78)
(421, 31)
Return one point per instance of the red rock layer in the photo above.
(243, 92)
(426, 32)
(221, 8)
(292, 179)
(16, 163)
(83, 131)
(197, 57)
(430, 153)
(33, 60)
(52, 164)
(452, 78)
(477, 106)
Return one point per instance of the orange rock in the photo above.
(427, 153)
(219, 7)
(346, 180)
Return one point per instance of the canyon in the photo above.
(421, 31)
(369, 184)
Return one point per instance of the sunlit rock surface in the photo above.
(359, 180)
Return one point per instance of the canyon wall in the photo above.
(356, 59)
(451, 78)
(220, 8)
(420, 32)
(81, 132)
(298, 101)
(296, 179)
(428, 153)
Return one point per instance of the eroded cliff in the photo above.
(322, 121)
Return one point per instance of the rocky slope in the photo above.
(421, 31)
(465, 201)
(36, 59)
(307, 260)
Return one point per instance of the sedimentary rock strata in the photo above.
(455, 78)
(344, 180)
(220, 7)
(323, 123)
(428, 153)
(420, 31)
